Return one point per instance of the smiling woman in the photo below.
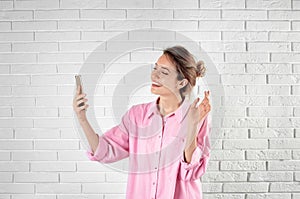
(175, 70)
(166, 140)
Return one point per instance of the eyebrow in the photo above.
(162, 67)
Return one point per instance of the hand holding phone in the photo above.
(79, 87)
(79, 100)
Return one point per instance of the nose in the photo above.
(155, 74)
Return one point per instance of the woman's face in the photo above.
(164, 78)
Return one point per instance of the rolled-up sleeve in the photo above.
(200, 157)
(114, 143)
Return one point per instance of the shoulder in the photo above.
(140, 109)
(138, 112)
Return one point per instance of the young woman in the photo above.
(166, 140)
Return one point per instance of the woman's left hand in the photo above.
(197, 114)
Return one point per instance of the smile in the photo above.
(154, 84)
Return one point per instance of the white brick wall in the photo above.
(254, 44)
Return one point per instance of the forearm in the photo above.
(92, 137)
(191, 142)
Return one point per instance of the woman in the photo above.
(166, 140)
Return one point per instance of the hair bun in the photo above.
(201, 69)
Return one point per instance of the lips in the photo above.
(154, 84)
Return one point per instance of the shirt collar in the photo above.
(179, 113)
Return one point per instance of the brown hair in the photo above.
(186, 66)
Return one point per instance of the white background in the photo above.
(254, 44)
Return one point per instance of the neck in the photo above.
(169, 104)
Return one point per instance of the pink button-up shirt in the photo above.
(155, 147)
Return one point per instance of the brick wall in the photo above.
(254, 44)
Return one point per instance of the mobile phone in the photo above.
(79, 84)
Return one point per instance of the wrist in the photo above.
(199, 124)
(82, 120)
(191, 147)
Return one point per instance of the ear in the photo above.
(182, 83)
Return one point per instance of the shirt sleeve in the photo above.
(113, 144)
(200, 157)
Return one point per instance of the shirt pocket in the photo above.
(174, 139)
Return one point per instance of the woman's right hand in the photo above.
(78, 99)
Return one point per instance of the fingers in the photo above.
(80, 105)
(205, 102)
(207, 107)
(206, 99)
(206, 93)
(84, 107)
(80, 96)
(81, 101)
(81, 108)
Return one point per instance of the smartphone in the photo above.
(79, 84)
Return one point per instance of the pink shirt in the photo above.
(155, 146)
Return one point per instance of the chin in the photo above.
(154, 92)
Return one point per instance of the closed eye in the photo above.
(161, 72)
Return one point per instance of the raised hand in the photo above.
(197, 114)
(78, 100)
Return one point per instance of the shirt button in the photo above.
(159, 136)
(153, 183)
(155, 167)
